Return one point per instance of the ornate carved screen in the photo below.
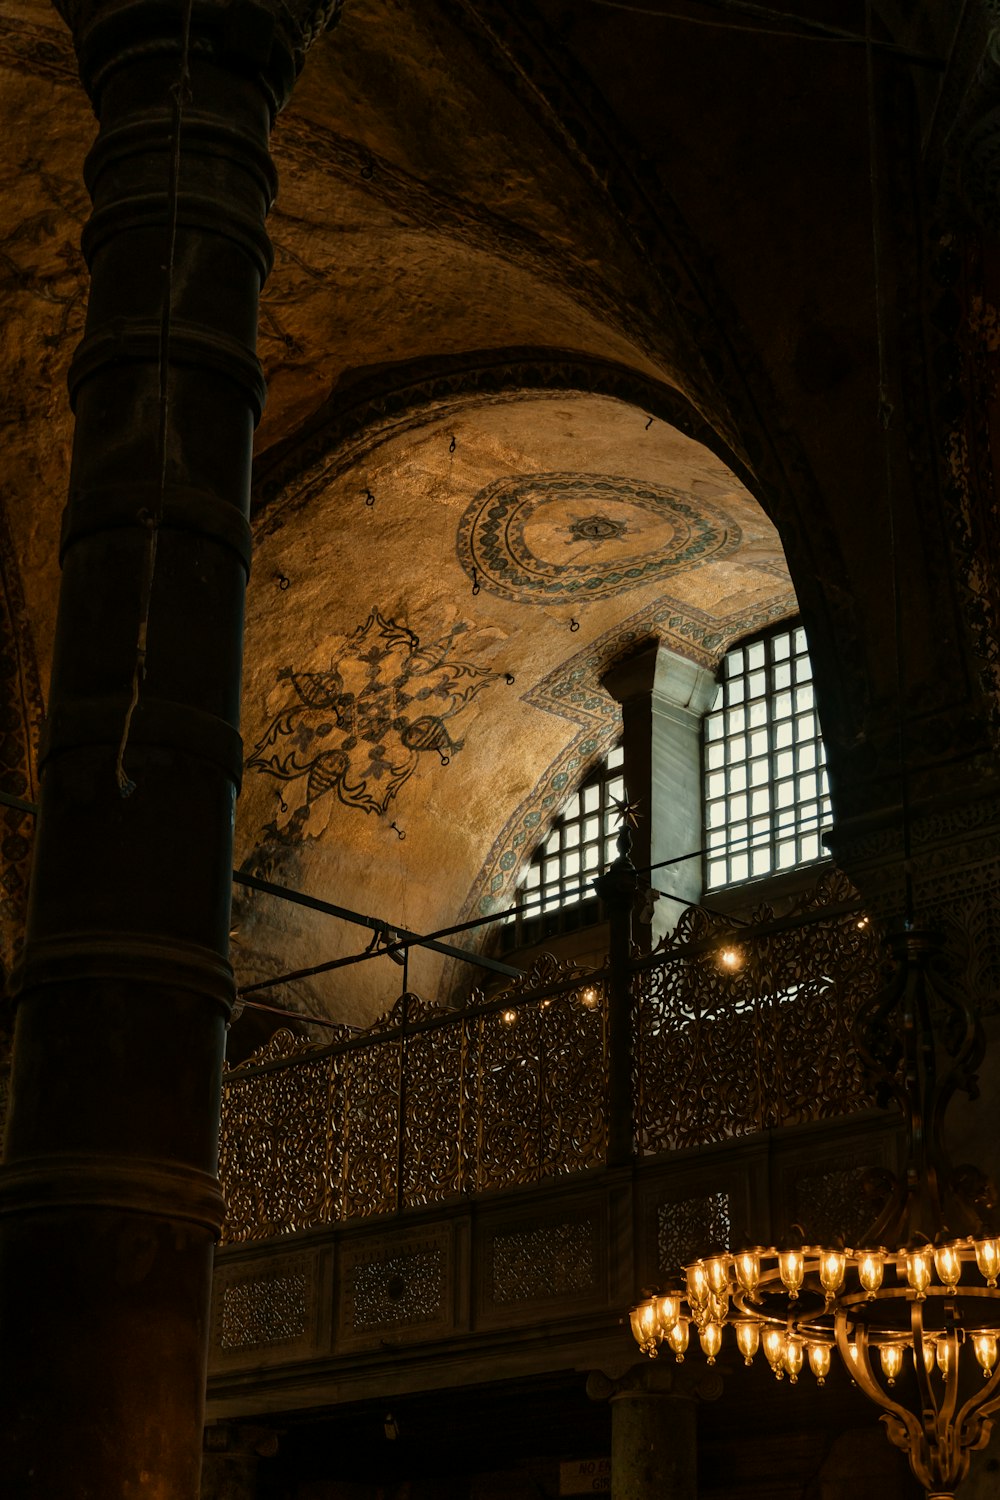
(433, 1104)
(744, 1031)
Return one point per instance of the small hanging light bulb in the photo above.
(747, 1338)
(774, 1348)
(946, 1352)
(948, 1264)
(988, 1260)
(747, 1269)
(832, 1269)
(643, 1321)
(717, 1272)
(853, 1355)
(710, 1338)
(918, 1269)
(871, 1269)
(667, 1310)
(985, 1345)
(794, 1357)
(891, 1356)
(678, 1337)
(924, 1350)
(791, 1268)
(819, 1361)
(697, 1284)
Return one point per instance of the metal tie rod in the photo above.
(374, 924)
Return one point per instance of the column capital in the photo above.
(266, 38)
(689, 1382)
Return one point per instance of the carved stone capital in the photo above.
(687, 1381)
(266, 38)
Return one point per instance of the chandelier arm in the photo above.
(978, 1407)
(928, 1401)
(871, 1029)
(966, 1055)
(864, 1375)
(944, 1420)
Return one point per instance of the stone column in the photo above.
(664, 698)
(654, 1439)
(109, 1203)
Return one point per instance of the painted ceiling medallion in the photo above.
(596, 529)
(626, 533)
(358, 728)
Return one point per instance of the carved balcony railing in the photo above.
(732, 1031)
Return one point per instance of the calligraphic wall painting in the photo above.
(358, 728)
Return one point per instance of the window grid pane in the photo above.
(765, 715)
(579, 843)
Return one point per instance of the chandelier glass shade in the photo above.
(913, 1313)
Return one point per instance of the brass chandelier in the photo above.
(913, 1311)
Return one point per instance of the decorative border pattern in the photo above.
(387, 404)
(493, 548)
(573, 692)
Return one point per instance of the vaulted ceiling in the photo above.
(569, 344)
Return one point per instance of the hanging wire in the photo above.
(295, 1015)
(181, 93)
(810, 30)
(885, 416)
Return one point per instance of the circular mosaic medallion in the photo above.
(547, 537)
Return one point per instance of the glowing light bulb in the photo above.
(985, 1345)
(678, 1337)
(697, 1284)
(947, 1353)
(853, 1354)
(918, 1269)
(774, 1347)
(589, 997)
(667, 1310)
(731, 959)
(819, 1361)
(508, 1017)
(791, 1268)
(925, 1351)
(747, 1338)
(710, 1338)
(747, 1269)
(794, 1358)
(717, 1272)
(643, 1321)
(988, 1260)
(871, 1269)
(948, 1265)
(832, 1268)
(891, 1356)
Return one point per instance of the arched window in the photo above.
(555, 893)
